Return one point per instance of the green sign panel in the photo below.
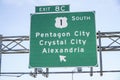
(63, 40)
(55, 8)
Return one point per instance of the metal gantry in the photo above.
(20, 44)
(14, 44)
(106, 41)
(114, 37)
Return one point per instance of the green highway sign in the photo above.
(63, 40)
(55, 8)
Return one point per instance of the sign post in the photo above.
(0, 52)
(63, 40)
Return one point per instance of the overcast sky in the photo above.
(15, 20)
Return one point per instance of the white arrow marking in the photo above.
(62, 58)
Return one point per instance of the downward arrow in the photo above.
(62, 58)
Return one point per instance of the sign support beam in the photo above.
(0, 52)
(100, 53)
(8, 41)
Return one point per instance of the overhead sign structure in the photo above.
(55, 8)
(63, 40)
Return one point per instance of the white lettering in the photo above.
(81, 33)
(54, 35)
(63, 50)
(78, 42)
(60, 8)
(80, 18)
(52, 43)
(44, 9)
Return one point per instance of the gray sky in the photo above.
(15, 20)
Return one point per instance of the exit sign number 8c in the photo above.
(59, 8)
